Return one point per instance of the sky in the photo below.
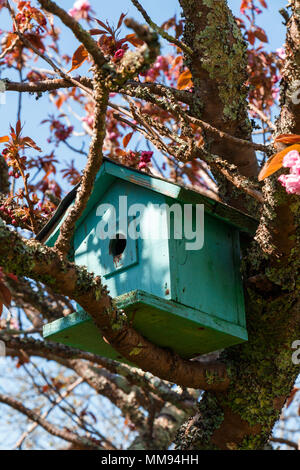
(34, 111)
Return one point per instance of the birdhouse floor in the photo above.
(185, 330)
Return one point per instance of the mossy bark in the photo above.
(261, 370)
(219, 69)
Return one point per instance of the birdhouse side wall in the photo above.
(209, 279)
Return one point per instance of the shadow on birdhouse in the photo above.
(136, 233)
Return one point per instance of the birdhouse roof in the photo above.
(110, 171)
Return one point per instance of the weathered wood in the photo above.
(190, 301)
(186, 331)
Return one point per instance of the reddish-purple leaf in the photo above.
(79, 56)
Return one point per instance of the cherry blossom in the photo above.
(291, 182)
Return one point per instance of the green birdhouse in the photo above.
(170, 257)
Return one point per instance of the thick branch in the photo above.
(92, 167)
(219, 70)
(47, 84)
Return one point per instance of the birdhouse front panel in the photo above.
(126, 264)
(187, 300)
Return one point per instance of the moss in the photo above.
(197, 432)
(223, 56)
(136, 351)
(213, 377)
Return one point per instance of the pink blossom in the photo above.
(80, 9)
(291, 182)
(281, 53)
(151, 74)
(291, 159)
(160, 63)
(89, 120)
(112, 135)
(142, 165)
(14, 324)
(119, 54)
(145, 159)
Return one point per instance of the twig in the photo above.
(284, 441)
(49, 427)
(223, 135)
(231, 173)
(83, 36)
(34, 226)
(228, 170)
(31, 428)
(262, 116)
(160, 30)
(44, 56)
(48, 85)
(163, 103)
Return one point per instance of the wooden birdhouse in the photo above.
(180, 294)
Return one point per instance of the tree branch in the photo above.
(83, 36)
(135, 377)
(44, 56)
(92, 167)
(160, 30)
(48, 84)
(31, 428)
(286, 442)
(49, 427)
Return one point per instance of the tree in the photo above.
(194, 105)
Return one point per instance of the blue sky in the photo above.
(33, 112)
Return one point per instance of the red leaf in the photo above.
(30, 143)
(79, 56)
(18, 128)
(136, 42)
(261, 35)
(127, 139)
(36, 41)
(60, 101)
(95, 31)
(121, 19)
(13, 277)
(275, 162)
(251, 37)
(185, 80)
(4, 139)
(104, 26)
(288, 139)
(263, 3)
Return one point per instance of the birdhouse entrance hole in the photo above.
(117, 245)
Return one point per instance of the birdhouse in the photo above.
(170, 257)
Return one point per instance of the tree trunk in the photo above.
(261, 370)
